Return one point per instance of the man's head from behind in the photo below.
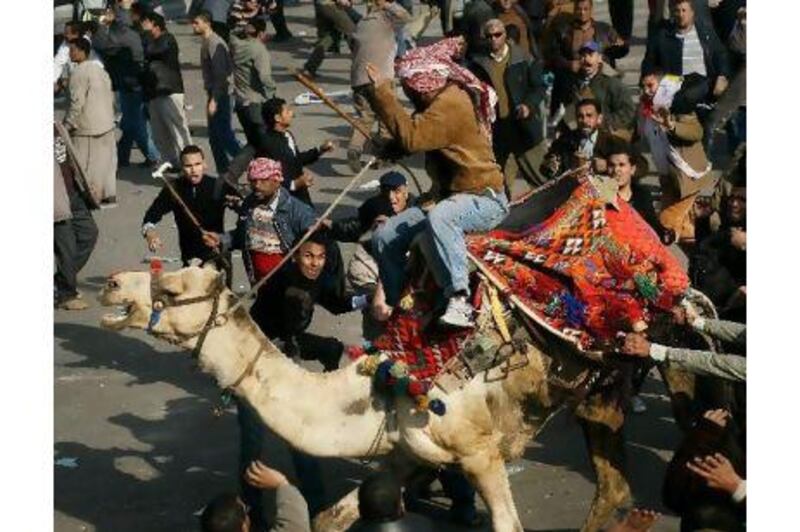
(256, 28)
(683, 13)
(72, 30)
(201, 23)
(380, 498)
(154, 24)
(277, 114)
(193, 163)
(588, 115)
(225, 513)
(495, 32)
(79, 50)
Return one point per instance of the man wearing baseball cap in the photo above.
(590, 81)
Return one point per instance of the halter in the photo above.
(162, 301)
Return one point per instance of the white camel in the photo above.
(488, 422)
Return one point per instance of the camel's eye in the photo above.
(112, 284)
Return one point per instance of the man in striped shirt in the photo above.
(687, 47)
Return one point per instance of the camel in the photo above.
(488, 422)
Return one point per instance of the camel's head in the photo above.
(183, 301)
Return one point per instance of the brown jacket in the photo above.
(459, 157)
(687, 138)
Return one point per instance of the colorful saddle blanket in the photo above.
(579, 258)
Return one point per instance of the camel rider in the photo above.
(452, 125)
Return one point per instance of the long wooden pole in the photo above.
(358, 126)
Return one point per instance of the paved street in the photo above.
(135, 415)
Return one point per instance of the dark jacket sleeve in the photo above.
(719, 55)
(162, 205)
(623, 103)
(309, 156)
(347, 229)
(333, 300)
(536, 90)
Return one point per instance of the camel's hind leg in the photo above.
(487, 472)
(602, 426)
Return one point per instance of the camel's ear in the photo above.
(171, 283)
(210, 265)
(195, 262)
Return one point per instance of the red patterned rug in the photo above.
(590, 270)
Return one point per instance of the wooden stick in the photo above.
(306, 236)
(358, 126)
(159, 174)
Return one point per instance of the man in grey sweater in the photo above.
(252, 77)
(217, 67)
(228, 512)
(708, 363)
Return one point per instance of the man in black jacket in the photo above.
(120, 46)
(684, 47)
(280, 145)
(205, 196)
(518, 82)
(163, 89)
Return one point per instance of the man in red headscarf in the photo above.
(452, 125)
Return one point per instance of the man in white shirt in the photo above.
(62, 65)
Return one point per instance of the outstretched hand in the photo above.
(717, 472)
(262, 477)
(211, 240)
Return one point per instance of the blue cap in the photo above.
(393, 179)
(593, 46)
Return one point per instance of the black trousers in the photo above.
(252, 123)
(74, 241)
(621, 12)
(278, 20)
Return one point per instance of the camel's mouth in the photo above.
(119, 319)
(130, 298)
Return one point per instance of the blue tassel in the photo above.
(573, 310)
(437, 407)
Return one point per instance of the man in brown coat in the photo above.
(455, 135)
(675, 136)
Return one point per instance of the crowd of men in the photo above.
(517, 88)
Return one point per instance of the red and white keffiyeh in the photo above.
(430, 68)
(262, 168)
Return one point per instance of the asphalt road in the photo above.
(136, 445)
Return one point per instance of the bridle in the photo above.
(162, 300)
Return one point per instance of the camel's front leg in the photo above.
(602, 426)
(488, 474)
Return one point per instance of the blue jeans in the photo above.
(446, 225)
(220, 135)
(134, 129)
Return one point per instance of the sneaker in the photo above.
(458, 313)
(638, 405)
(74, 303)
(354, 160)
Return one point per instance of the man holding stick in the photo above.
(455, 134)
(203, 196)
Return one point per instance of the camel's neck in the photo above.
(323, 414)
